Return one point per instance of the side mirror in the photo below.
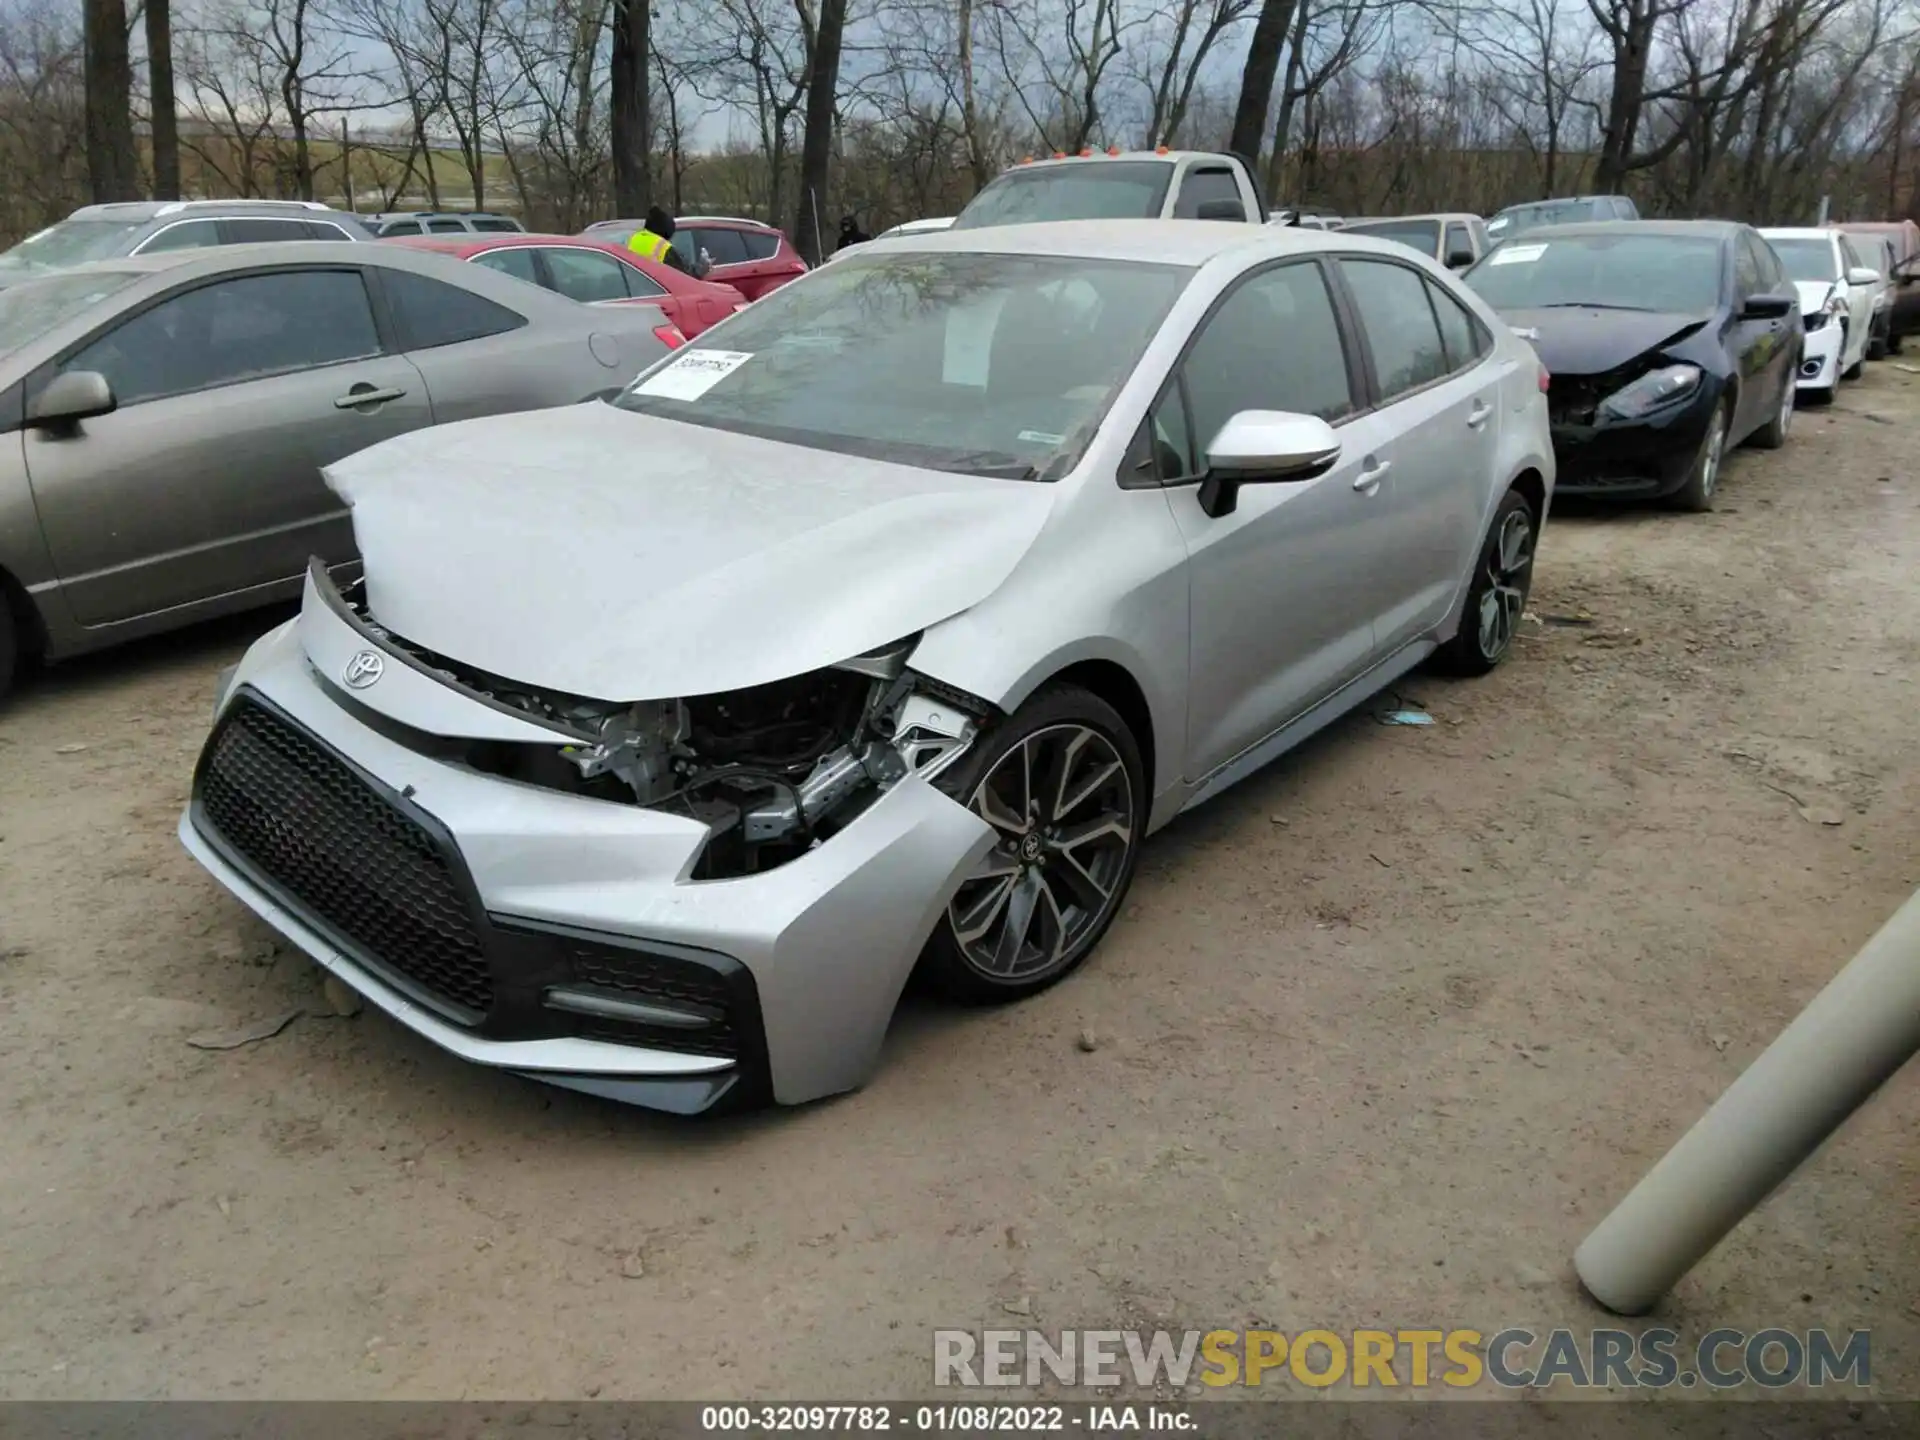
(1258, 447)
(1769, 307)
(1220, 210)
(70, 398)
(1863, 275)
(1459, 259)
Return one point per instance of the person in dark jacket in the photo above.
(655, 242)
(851, 234)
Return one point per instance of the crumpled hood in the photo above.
(627, 557)
(1813, 294)
(1587, 340)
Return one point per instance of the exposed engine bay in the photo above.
(771, 771)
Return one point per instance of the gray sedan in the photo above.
(164, 419)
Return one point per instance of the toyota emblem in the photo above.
(363, 669)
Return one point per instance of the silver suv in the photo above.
(145, 227)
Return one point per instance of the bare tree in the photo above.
(112, 163)
(164, 124)
(627, 80)
(823, 29)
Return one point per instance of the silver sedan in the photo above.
(164, 419)
(874, 630)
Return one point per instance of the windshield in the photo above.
(72, 242)
(30, 310)
(997, 365)
(1617, 271)
(1517, 218)
(1095, 190)
(1422, 235)
(1806, 259)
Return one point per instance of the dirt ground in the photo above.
(1380, 1036)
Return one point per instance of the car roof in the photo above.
(726, 220)
(472, 241)
(1189, 243)
(1798, 232)
(1675, 229)
(161, 209)
(1425, 215)
(1046, 162)
(1557, 200)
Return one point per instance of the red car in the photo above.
(594, 272)
(751, 257)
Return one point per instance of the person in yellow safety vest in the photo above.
(655, 242)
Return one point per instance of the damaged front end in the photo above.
(772, 770)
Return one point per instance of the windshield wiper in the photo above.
(990, 464)
(1591, 305)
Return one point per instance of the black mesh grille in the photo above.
(662, 980)
(342, 853)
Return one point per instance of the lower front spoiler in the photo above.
(657, 1079)
(1638, 462)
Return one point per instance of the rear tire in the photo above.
(1497, 594)
(1773, 434)
(9, 645)
(1703, 479)
(1894, 341)
(1062, 782)
(1852, 372)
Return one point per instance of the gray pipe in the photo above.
(1849, 1041)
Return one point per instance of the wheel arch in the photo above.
(1113, 683)
(1532, 485)
(30, 627)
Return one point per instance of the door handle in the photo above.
(364, 394)
(1477, 417)
(1369, 479)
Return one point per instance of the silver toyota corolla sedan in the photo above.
(164, 419)
(663, 739)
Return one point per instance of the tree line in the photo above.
(797, 111)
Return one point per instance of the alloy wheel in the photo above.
(1062, 803)
(1509, 561)
(1710, 462)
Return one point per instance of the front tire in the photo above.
(1061, 781)
(1497, 595)
(1703, 479)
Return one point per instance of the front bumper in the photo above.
(1632, 460)
(1820, 358)
(518, 900)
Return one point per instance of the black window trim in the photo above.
(1345, 322)
(1377, 402)
(44, 374)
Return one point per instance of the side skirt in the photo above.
(1360, 688)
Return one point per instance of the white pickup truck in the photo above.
(1120, 185)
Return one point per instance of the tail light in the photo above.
(670, 336)
(1546, 380)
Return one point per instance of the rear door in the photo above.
(480, 357)
(1438, 403)
(206, 480)
(1755, 343)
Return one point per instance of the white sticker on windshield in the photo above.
(1041, 437)
(693, 374)
(1516, 254)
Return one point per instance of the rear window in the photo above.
(1421, 235)
(760, 244)
(1093, 190)
(431, 313)
(400, 227)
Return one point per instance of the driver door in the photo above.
(1282, 588)
(206, 480)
